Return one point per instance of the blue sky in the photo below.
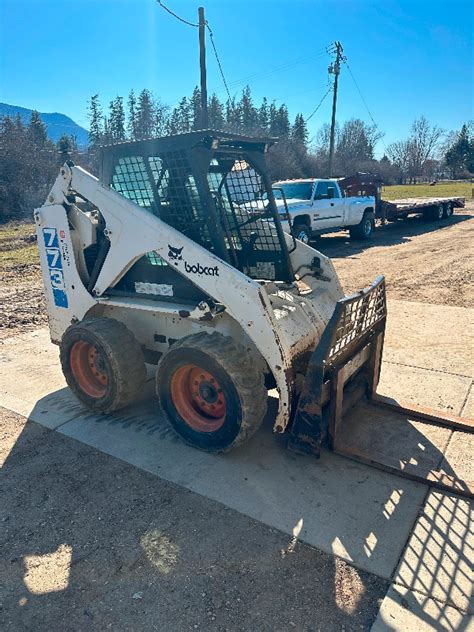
(409, 57)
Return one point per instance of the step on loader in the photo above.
(175, 257)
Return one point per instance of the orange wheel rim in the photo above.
(88, 369)
(198, 398)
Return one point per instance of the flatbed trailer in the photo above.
(432, 208)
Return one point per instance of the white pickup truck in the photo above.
(318, 206)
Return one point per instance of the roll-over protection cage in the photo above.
(210, 186)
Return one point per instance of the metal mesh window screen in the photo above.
(131, 180)
(243, 211)
(358, 315)
(166, 185)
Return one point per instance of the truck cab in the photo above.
(314, 206)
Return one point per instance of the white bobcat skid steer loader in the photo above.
(176, 257)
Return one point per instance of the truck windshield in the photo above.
(294, 190)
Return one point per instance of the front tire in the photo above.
(211, 391)
(364, 230)
(302, 232)
(103, 363)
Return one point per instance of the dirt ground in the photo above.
(427, 262)
(89, 542)
(96, 543)
(430, 262)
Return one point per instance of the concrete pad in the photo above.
(430, 336)
(438, 558)
(459, 457)
(50, 411)
(29, 370)
(468, 408)
(394, 439)
(347, 509)
(403, 610)
(433, 389)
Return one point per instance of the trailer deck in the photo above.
(412, 204)
(432, 208)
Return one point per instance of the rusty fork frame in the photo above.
(344, 369)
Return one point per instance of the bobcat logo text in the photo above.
(191, 268)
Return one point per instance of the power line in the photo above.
(319, 105)
(175, 15)
(264, 74)
(360, 92)
(211, 34)
(363, 100)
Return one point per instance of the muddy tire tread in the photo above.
(248, 380)
(129, 370)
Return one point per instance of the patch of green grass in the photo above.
(442, 189)
(17, 246)
(27, 255)
(15, 231)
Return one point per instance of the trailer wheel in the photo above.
(437, 212)
(364, 230)
(302, 232)
(103, 363)
(448, 210)
(211, 391)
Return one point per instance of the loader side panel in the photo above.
(66, 297)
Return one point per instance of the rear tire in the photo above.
(211, 391)
(103, 363)
(448, 210)
(364, 230)
(434, 213)
(302, 232)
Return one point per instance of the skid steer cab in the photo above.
(175, 257)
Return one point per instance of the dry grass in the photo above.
(18, 246)
(442, 189)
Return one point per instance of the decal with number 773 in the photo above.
(55, 266)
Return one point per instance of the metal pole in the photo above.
(337, 69)
(202, 62)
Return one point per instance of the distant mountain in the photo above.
(57, 124)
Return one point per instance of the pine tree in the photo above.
(460, 156)
(96, 125)
(181, 117)
(37, 130)
(162, 115)
(132, 115)
(264, 116)
(299, 131)
(283, 122)
(145, 115)
(66, 145)
(116, 120)
(215, 112)
(233, 116)
(249, 116)
(273, 119)
(196, 109)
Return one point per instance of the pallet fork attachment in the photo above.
(339, 404)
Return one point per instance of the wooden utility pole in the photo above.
(202, 62)
(335, 70)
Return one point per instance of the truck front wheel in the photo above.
(365, 229)
(302, 232)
